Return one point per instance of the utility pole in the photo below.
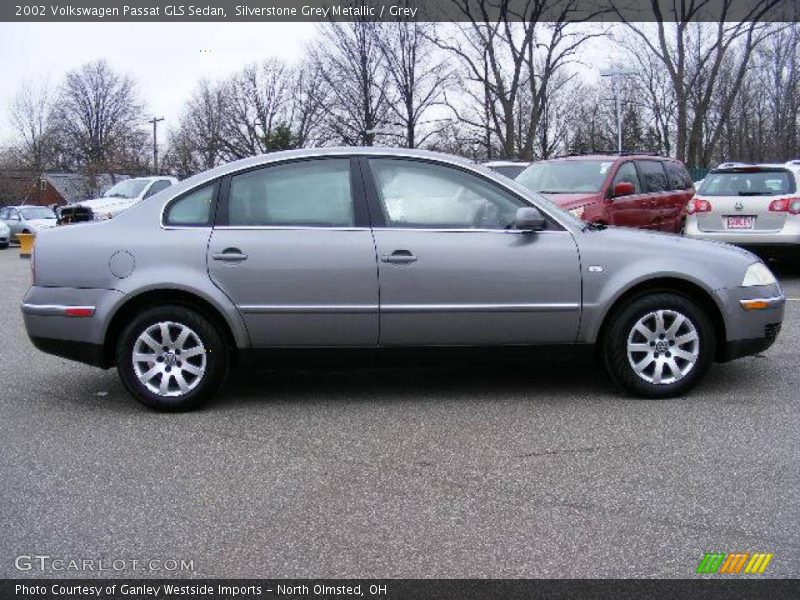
(155, 121)
(615, 72)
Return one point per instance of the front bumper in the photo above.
(751, 331)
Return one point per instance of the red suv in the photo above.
(637, 190)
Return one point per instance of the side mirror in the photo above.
(623, 188)
(529, 219)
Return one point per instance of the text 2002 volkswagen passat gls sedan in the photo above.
(384, 250)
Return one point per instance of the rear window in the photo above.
(752, 182)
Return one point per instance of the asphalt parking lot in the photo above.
(473, 472)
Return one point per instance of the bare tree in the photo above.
(353, 69)
(308, 99)
(255, 106)
(197, 142)
(31, 115)
(696, 55)
(417, 74)
(99, 117)
(509, 51)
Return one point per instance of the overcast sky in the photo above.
(166, 59)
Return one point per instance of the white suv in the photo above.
(125, 194)
(755, 206)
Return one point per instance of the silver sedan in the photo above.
(354, 254)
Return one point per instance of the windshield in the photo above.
(747, 183)
(566, 176)
(37, 212)
(130, 188)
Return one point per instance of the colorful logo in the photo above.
(721, 563)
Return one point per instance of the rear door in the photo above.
(293, 249)
(657, 198)
(681, 191)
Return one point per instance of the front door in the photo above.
(632, 210)
(293, 250)
(452, 269)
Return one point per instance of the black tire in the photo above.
(4, 246)
(216, 358)
(614, 345)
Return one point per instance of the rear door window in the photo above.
(653, 176)
(308, 193)
(677, 176)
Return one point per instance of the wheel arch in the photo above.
(160, 297)
(674, 285)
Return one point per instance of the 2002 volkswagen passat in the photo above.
(383, 250)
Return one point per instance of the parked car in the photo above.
(5, 235)
(27, 219)
(118, 198)
(364, 252)
(755, 206)
(509, 168)
(648, 192)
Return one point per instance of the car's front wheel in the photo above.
(172, 358)
(659, 345)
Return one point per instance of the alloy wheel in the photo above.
(663, 346)
(169, 359)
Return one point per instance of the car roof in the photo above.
(505, 163)
(24, 206)
(341, 151)
(609, 157)
(732, 167)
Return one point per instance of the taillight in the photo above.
(698, 205)
(790, 205)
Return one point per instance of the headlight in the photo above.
(758, 274)
(102, 216)
(578, 212)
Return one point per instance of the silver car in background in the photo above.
(27, 219)
(754, 206)
(358, 253)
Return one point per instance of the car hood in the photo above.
(714, 264)
(41, 223)
(108, 205)
(570, 201)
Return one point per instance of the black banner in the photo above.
(739, 588)
(387, 10)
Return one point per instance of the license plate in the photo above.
(741, 222)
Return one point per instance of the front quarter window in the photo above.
(193, 209)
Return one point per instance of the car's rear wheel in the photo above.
(172, 358)
(659, 345)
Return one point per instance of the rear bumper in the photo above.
(83, 352)
(69, 322)
(788, 236)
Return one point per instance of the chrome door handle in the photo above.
(399, 257)
(230, 255)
